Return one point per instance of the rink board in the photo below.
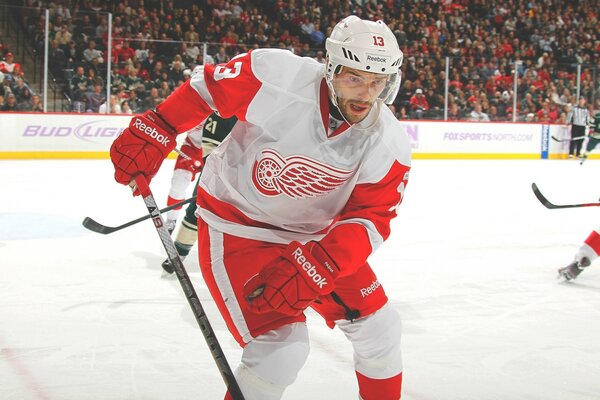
(81, 136)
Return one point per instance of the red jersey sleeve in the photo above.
(232, 86)
(227, 88)
(365, 221)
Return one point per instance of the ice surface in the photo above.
(471, 266)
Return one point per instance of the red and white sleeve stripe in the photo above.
(365, 221)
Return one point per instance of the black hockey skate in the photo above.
(572, 270)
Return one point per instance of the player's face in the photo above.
(357, 91)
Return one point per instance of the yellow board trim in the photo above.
(474, 156)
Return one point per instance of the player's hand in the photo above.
(293, 281)
(194, 163)
(142, 147)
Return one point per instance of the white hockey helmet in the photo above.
(366, 46)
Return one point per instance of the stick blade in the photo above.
(541, 198)
(94, 226)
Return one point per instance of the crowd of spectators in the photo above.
(15, 93)
(156, 44)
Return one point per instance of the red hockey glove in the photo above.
(142, 147)
(194, 165)
(293, 281)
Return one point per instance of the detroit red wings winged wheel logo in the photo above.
(295, 176)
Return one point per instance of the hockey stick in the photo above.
(551, 206)
(97, 227)
(188, 289)
(567, 139)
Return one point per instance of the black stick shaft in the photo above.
(188, 289)
(97, 227)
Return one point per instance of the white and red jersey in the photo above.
(281, 175)
(7, 67)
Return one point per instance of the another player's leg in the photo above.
(186, 235)
(179, 183)
(573, 270)
(591, 145)
(586, 253)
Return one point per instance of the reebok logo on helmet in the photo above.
(376, 58)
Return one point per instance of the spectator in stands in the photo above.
(320, 57)
(92, 53)
(63, 37)
(317, 37)
(116, 77)
(35, 105)
(73, 54)
(150, 62)
(135, 103)
(221, 57)
(79, 84)
(192, 51)
(125, 109)
(11, 104)
(132, 81)
(95, 98)
(418, 104)
(548, 113)
(454, 113)
(93, 78)
(125, 52)
(102, 28)
(84, 29)
(477, 114)
(176, 71)
(153, 99)
(141, 51)
(63, 11)
(164, 90)
(115, 107)
(21, 92)
(8, 65)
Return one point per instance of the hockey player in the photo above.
(587, 252)
(186, 167)
(594, 137)
(295, 200)
(206, 138)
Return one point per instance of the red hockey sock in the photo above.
(171, 201)
(379, 389)
(594, 242)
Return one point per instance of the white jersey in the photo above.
(282, 174)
